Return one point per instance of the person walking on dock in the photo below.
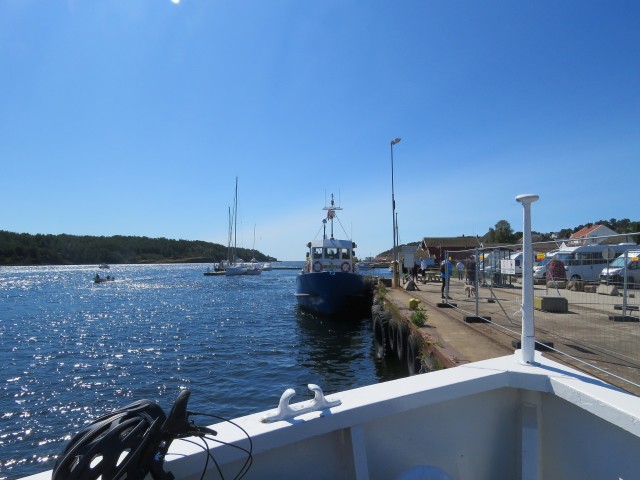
(471, 273)
(446, 270)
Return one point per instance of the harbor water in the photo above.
(71, 350)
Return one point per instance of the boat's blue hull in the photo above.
(331, 293)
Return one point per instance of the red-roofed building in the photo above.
(589, 235)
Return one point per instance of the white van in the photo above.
(540, 270)
(516, 258)
(586, 262)
(616, 272)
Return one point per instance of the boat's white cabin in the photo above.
(330, 255)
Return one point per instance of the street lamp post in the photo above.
(396, 275)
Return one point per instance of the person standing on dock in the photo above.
(446, 270)
(460, 269)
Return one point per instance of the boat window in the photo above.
(331, 252)
(344, 253)
(317, 252)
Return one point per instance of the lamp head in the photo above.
(395, 140)
(527, 198)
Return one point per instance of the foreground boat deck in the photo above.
(498, 418)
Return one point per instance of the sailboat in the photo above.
(234, 268)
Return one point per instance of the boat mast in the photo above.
(229, 238)
(331, 212)
(235, 222)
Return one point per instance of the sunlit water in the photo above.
(71, 350)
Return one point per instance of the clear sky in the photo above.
(133, 117)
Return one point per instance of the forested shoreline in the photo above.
(40, 249)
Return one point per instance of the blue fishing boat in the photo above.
(330, 283)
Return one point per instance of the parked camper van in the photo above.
(517, 259)
(616, 272)
(586, 262)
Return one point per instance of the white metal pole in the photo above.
(528, 340)
(395, 279)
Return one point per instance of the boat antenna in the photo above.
(528, 339)
(331, 213)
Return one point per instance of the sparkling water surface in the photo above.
(71, 350)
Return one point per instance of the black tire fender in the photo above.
(380, 336)
(385, 318)
(413, 353)
(392, 332)
(402, 333)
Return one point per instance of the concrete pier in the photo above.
(448, 339)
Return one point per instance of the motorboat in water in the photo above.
(218, 269)
(329, 283)
(521, 416)
(99, 279)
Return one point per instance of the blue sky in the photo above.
(127, 117)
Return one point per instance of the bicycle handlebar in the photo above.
(177, 425)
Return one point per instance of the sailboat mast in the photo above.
(235, 221)
(229, 238)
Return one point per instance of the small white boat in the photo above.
(364, 265)
(218, 269)
(234, 270)
(99, 279)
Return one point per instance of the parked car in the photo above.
(622, 267)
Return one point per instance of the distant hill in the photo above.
(27, 249)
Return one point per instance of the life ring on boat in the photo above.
(345, 267)
(317, 266)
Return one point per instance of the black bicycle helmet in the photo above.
(117, 445)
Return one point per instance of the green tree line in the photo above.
(27, 249)
(503, 233)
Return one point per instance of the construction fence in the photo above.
(586, 299)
